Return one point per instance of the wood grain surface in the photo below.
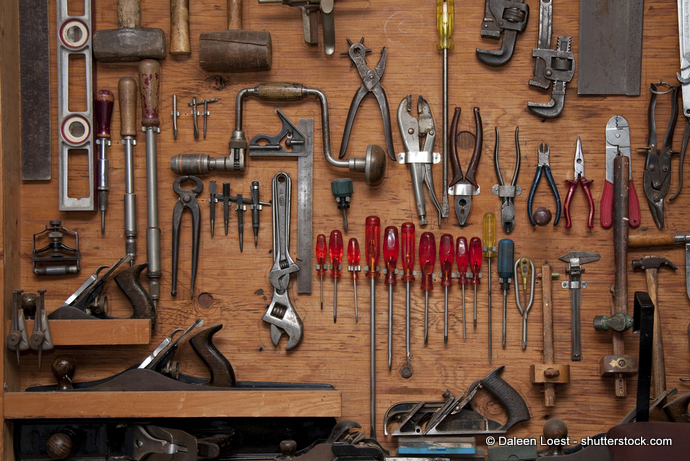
(339, 353)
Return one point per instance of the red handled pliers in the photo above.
(579, 166)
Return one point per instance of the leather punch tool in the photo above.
(507, 193)
(579, 168)
(419, 136)
(543, 167)
(657, 168)
(464, 186)
(280, 314)
(371, 83)
(505, 17)
(187, 200)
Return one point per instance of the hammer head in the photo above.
(129, 45)
(652, 262)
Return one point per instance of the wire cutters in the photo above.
(507, 193)
(579, 167)
(371, 83)
(543, 166)
(464, 186)
(657, 168)
(187, 200)
(419, 136)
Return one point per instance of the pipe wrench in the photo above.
(280, 313)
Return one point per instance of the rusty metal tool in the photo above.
(524, 269)
(651, 265)
(56, 258)
(335, 254)
(579, 169)
(257, 205)
(204, 113)
(372, 234)
(194, 113)
(17, 339)
(507, 193)
(427, 260)
(557, 66)
(618, 364)
(179, 28)
(130, 42)
(489, 240)
(371, 83)
(549, 374)
(187, 199)
(618, 144)
(445, 19)
(235, 50)
(391, 251)
(543, 166)
(657, 169)
(575, 260)
(446, 255)
(506, 254)
(464, 186)
(104, 111)
(353, 257)
(419, 137)
(502, 17)
(175, 114)
(311, 9)
(408, 273)
(41, 339)
(645, 240)
(212, 200)
(127, 93)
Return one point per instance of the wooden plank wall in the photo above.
(339, 353)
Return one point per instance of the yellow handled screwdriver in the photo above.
(445, 14)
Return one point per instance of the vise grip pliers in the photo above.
(280, 314)
(371, 83)
(507, 193)
(419, 136)
(464, 186)
(579, 168)
(187, 200)
(543, 166)
(657, 168)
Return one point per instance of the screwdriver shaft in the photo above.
(390, 327)
(426, 317)
(335, 300)
(464, 324)
(321, 292)
(475, 307)
(407, 323)
(489, 287)
(505, 310)
(445, 317)
(372, 361)
(354, 283)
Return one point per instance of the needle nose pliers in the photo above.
(543, 167)
(187, 200)
(579, 167)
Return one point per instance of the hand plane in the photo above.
(455, 417)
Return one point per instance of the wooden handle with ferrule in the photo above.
(656, 239)
(127, 93)
(128, 14)
(149, 85)
(179, 27)
(234, 14)
(104, 111)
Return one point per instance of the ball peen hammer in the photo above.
(663, 239)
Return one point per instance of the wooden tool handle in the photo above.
(657, 239)
(128, 14)
(547, 312)
(179, 27)
(127, 92)
(658, 363)
(234, 14)
(149, 82)
(104, 112)
(280, 91)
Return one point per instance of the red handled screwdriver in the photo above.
(446, 254)
(335, 253)
(407, 252)
(321, 260)
(462, 256)
(372, 252)
(354, 267)
(475, 266)
(391, 249)
(427, 259)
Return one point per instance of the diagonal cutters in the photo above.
(579, 167)
(507, 193)
(187, 200)
(657, 168)
(543, 167)
(419, 136)
(371, 83)
(464, 186)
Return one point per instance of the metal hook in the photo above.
(524, 270)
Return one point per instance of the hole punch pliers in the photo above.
(371, 83)
(419, 136)
(579, 167)
(543, 167)
(187, 200)
(464, 186)
(507, 193)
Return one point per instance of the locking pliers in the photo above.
(419, 136)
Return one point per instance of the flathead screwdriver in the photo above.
(489, 252)
(427, 259)
(353, 256)
(335, 253)
(506, 251)
(462, 257)
(321, 251)
(475, 267)
(446, 254)
(407, 253)
(372, 229)
(391, 249)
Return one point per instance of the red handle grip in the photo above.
(590, 201)
(606, 212)
(633, 206)
(104, 112)
(572, 185)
